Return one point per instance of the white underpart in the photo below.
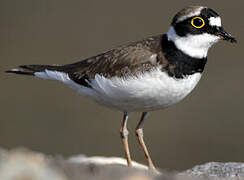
(64, 78)
(145, 92)
(196, 46)
(215, 21)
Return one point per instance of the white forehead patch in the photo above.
(215, 21)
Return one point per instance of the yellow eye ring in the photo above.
(196, 26)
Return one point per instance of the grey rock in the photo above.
(22, 164)
(231, 170)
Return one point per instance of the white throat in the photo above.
(193, 45)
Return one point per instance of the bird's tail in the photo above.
(53, 72)
(33, 69)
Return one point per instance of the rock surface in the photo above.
(229, 170)
(22, 164)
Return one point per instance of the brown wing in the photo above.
(123, 61)
(137, 57)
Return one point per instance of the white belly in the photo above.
(146, 92)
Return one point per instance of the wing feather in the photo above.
(124, 61)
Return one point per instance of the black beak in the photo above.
(225, 36)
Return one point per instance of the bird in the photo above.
(146, 75)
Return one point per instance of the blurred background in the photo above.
(49, 117)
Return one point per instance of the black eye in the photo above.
(197, 22)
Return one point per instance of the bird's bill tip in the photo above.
(225, 35)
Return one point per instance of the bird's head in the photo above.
(195, 29)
